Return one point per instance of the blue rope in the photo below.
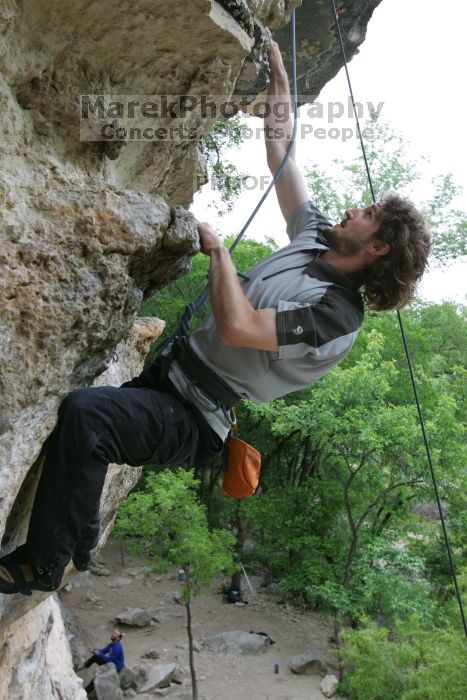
(195, 305)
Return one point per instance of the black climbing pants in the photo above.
(96, 426)
(94, 659)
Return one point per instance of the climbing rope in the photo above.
(194, 306)
(404, 338)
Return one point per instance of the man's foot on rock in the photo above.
(16, 577)
(82, 561)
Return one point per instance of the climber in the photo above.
(288, 322)
(112, 653)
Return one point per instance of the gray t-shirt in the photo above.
(319, 313)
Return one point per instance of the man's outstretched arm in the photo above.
(238, 323)
(278, 126)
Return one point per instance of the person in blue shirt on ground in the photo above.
(112, 653)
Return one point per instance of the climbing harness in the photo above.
(404, 337)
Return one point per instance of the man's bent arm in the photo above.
(238, 323)
(278, 127)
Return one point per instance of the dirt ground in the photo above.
(219, 678)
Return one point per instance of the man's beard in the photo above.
(342, 244)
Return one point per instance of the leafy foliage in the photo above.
(339, 539)
(392, 171)
(167, 524)
(224, 175)
(413, 662)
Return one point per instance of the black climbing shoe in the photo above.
(24, 578)
(82, 561)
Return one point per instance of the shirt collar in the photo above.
(322, 270)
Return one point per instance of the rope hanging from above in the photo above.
(336, 15)
(196, 305)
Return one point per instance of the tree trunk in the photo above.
(194, 684)
(338, 626)
(350, 559)
(236, 581)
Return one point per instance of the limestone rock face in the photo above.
(319, 55)
(85, 233)
(83, 238)
(72, 285)
(36, 658)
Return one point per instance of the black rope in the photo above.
(341, 42)
(404, 340)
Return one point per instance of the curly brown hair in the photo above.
(391, 281)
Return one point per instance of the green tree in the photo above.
(414, 662)
(167, 524)
(224, 176)
(392, 171)
(368, 467)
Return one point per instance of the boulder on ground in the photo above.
(134, 617)
(237, 643)
(174, 597)
(119, 582)
(107, 683)
(95, 600)
(178, 675)
(151, 654)
(127, 678)
(310, 664)
(99, 570)
(329, 685)
(141, 675)
(158, 676)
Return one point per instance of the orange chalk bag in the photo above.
(243, 468)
